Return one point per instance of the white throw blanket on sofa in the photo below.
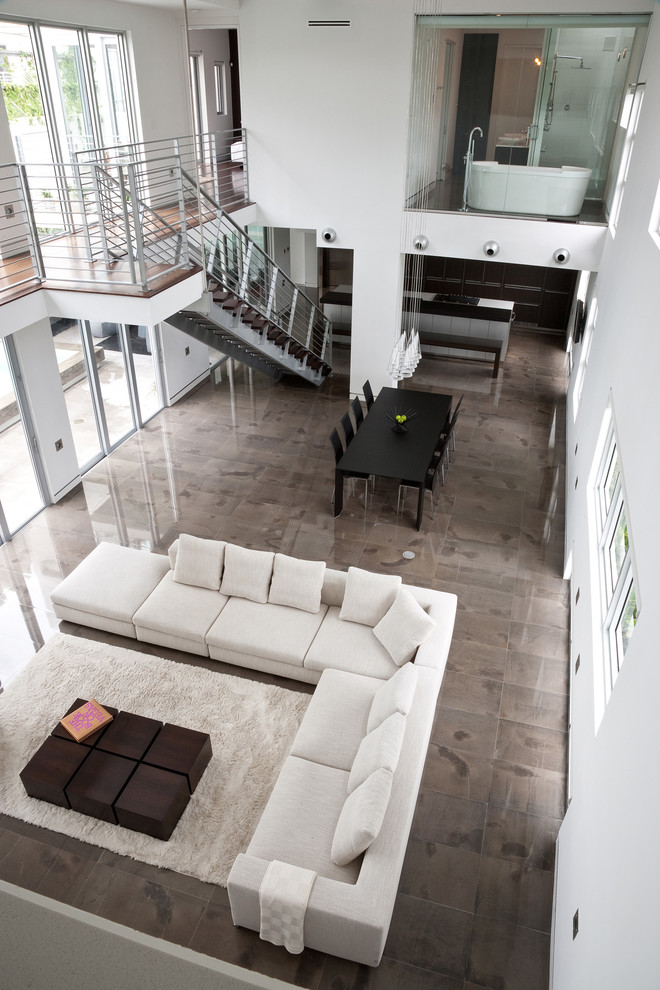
(283, 898)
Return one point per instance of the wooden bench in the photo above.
(483, 344)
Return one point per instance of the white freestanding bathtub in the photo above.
(557, 192)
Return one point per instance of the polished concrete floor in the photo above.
(248, 460)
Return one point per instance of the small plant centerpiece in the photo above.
(400, 420)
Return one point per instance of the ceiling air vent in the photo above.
(325, 24)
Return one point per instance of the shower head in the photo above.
(573, 58)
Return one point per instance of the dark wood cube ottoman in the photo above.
(51, 768)
(98, 784)
(153, 801)
(185, 751)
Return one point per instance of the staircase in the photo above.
(153, 215)
(252, 310)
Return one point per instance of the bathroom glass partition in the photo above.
(537, 97)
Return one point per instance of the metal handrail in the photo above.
(143, 218)
(236, 263)
(208, 153)
(21, 253)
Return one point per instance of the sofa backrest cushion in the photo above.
(361, 817)
(334, 586)
(379, 748)
(368, 596)
(395, 695)
(247, 573)
(404, 627)
(297, 583)
(199, 562)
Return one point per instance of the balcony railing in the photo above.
(219, 159)
(121, 219)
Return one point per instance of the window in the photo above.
(219, 71)
(629, 120)
(654, 226)
(619, 599)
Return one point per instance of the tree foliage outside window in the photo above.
(620, 608)
(22, 99)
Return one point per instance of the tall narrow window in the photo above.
(620, 607)
(629, 121)
(219, 70)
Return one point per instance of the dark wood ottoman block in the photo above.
(152, 801)
(60, 732)
(51, 768)
(129, 735)
(98, 783)
(185, 751)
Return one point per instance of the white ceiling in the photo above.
(193, 5)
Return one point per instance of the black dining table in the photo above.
(378, 449)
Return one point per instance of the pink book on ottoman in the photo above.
(89, 718)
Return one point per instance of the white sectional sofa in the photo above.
(345, 798)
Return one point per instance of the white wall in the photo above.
(608, 855)
(47, 944)
(41, 378)
(182, 370)
(326, 111)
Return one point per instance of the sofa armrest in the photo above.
(340, 918)
(441, 606)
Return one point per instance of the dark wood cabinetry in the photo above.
(542, 296)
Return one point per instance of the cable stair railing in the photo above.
(251, 302)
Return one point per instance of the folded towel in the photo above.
(283, 898)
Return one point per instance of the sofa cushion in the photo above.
(298, 823)
(199, 562)
(404, 627)
(247, 573)
(276, 632)
(379, 748)
(336, 720)
(361, 817)
(334, 586)
(112, 581)
(180, 610)
(297, 583)
(368, 596)
(349, 646)
(396, 695)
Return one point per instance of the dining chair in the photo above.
(449, 429)
(347, 426)
(368, 394)
(435, 469)
(358, 415)
(338, 448)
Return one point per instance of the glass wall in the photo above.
(495, 97)
(65, 90)
(111, 382)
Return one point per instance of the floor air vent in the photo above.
(317, 24)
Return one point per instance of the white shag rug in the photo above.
(252, 726)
